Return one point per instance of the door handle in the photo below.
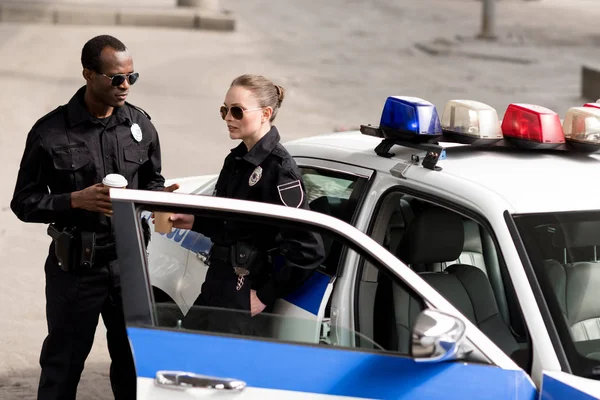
(188, 380)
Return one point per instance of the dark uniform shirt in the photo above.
(68, 150)
(267, 173)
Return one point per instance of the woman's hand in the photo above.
(256, 306)
(182, 221)
(171, 188)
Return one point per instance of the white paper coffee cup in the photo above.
(114, 181)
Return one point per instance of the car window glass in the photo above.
(332, 193)
(563, 250)
(196, 289)
(458, 257)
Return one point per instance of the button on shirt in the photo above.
(69, 150)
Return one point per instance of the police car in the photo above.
(461, 263)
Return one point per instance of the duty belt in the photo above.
(217, 253)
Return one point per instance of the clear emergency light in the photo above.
(582, 128)
(532, 127)
(471, 122)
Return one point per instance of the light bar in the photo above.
(582, 128)
(471, 122)
(410, 118)
(593, 105)
(532, 127)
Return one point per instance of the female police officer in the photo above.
(259, 169)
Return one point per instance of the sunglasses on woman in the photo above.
(118, 79)
(237, 112)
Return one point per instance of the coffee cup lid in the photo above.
(114, 180)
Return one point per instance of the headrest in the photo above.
(577, 234)
(396, 221)
(329, 205)
(472, 237)
(435, 235)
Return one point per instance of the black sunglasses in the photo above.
(118, 79)
(237, 112)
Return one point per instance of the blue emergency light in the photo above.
(410, 122)
(410, 118)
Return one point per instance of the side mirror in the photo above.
(437, 337)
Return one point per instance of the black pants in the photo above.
(74, 301)
(221, 307)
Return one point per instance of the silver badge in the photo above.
(255, 176)
(136, 132)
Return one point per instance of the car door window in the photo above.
(454, 253)
(337, 194)
(562, 248)
(298, 316)
(332, 193)
(287, 340)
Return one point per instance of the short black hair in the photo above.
(90, 54)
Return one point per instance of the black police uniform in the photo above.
(284, 257)
(69, 150)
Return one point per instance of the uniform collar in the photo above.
(260, 151)
(77, 113)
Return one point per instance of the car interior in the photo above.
(457, 257)
(571, 270)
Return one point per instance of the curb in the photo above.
(446, 51)
(181, 18)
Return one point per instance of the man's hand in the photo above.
(256, 306)
(94, 198)
(171, 188)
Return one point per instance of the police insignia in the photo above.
(255, 176)
(291, 194)
(136, 132)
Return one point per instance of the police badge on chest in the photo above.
(136, 132)
(255, 176)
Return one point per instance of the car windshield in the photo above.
(564, 250)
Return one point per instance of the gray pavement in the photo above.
(338, 59)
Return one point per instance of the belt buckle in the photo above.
(239, 271)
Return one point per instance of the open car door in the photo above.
(282, 357)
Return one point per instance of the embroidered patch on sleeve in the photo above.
(291, 194)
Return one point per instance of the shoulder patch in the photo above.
(139, 109)
(52, 113)
(291, 194)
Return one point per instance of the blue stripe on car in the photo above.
(310, 295)
(553, 389)
(320, 369)
(196, 242)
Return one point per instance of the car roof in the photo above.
(529, 180)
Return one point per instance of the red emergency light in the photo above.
(593, 105)
(532, 127)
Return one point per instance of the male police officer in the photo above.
(67, 154)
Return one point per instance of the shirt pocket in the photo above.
(135, 156)
(73, 166)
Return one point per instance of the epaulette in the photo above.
(47, 116)
(139, 109)
(280, 151)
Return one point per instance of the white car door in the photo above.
(181, 363)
